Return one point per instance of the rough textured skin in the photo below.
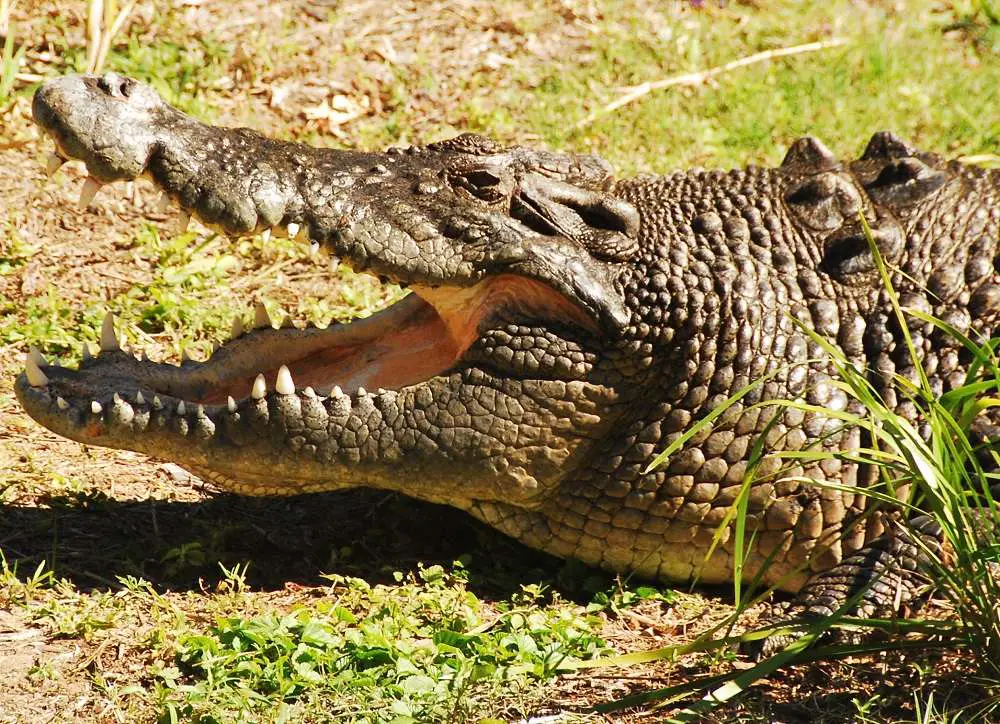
(677, 291)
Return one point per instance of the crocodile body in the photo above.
(565, 326)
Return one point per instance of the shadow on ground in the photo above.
(93, 539)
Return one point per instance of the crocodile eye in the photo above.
(480, 183)
(481, 179)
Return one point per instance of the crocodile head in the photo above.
(484, 374)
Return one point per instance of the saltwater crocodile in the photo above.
(564, 326)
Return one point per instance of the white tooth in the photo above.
(36, 378)
(183, 221)
(362, 392)
(157, 402)
(236, 330)
(181, 409)
(109, 342)
(259, 388)
(309, 392)
(86, 351)
(336, 391)
(284, 384)
(52, 164)
(163, 202)
(37, 356)
(334, 263)
(95, 407)
(314, 248)
(62, 404)
(293, 230)
(230, 404)
(265, 235)
(139, 399)
(90, 188)
(260, 316)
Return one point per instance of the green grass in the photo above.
(939, 473)
(425, 649)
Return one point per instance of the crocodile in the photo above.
(563, 327)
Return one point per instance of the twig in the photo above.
(701, 76)
(5, 7)
(101, 37)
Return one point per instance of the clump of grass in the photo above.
(930, 466)
(426, 650)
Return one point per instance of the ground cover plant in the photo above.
(130, 592)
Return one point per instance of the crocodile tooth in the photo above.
(181, 409)
(109, 342)
(230, 403)
(236, 330)
(157, 402)
(314, 248)
(62, 404)
(293, 230)
(308, 392)
(183, 221)
(284, 384)
(334, 263)
(163, 202)
(139, 399)
(265, 235)
(259, 388)
(53, 162)
(36, 378)
(37, 356)
(90, 188)
(336, 391)
(362, 392)
(260, 316)
(287, 323)
(95, 407)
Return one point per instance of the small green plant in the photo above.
(11, 58)
(427, 651)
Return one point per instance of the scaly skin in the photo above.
(598, 319)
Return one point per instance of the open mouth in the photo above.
(421, 336)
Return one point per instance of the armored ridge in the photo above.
(563, 327)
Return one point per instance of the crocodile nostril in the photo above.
(115, 85)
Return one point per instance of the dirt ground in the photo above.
(94, 515)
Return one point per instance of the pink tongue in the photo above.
(402, 351)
